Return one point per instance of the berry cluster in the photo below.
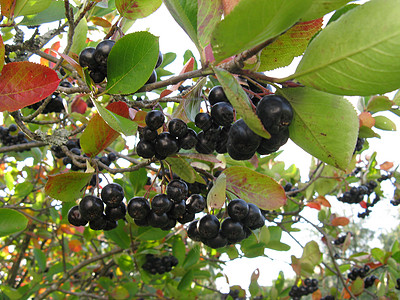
(91, 209)
(234, 294)
(55, 105)
(242, 218)
(369, 281)
(159, 265)
(395, 202)
(358, 272)
(7, 138)
(329, 297)
(309, 286)
(368, 205)
(95, 59)
(340, 240)
(166, 209)
(359, 145)
(356, 194)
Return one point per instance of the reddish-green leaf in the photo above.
(25, 83)
(67, 186)
(379, 103)
(6, 7)
(98, 134)
(2, 52)
(255, 188)
(289, 45)
(217, 195)
(134, 9)
(340, 221)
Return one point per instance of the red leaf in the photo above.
(52, 51)
(314, 205)
(366, 119)
(78, 105)
(2, 52)
(340, 221)
(387, 165)
(229, 5)
(6, 7)
(363, 204)
(98, 135)
(140, 118)
(323, 201)
(25, 83)
(75, 245)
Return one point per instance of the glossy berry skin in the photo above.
(238, 209)
(208, 227)
(232, 229)
(157, 221)
(152, 78)
(193, 232)
(222, 113)
(159, 60)
(195, 203)
(203, 121)
(275, 112)
(254, 218)
(154, 119)
(97, 76)
(166, 144)
(178, 210)
(103, 49)
(216, 242)
(112, 194)
(91, 207)
(189, 140)
(242, 141)
(138, 208)
(177, 190)
(204, 144)
(145, 149)
(216, 95)
(86, 58)
(75, 218)
(148, 134)
(160, 204)
(99, 223)
(186, 217)
(177, 128)
(116, 213)
(110, 225)
(271, 145)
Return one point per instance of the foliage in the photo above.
(41, 177)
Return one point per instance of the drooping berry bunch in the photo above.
(95, 59)
(309, 286)
(369, 281)
(341, 239)
(167, 208)
(101, 213)
(358, 272)
(356, 194)
(368, 206)
(159, 265)
(242, 218)
(55, 105)
(9, 136)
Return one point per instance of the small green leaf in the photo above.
(11, 221)
(320, 8)
(149, 234)
(186, 280)
(138, 179)
(216, 197)
(117, 122)
(119, 236)
(357, 286)
(137, 9)
(25, 7)
(353, 63)
(40, 258)
(182, 168)
(379, 103)
(80, 36)
(56, 11)
(125, 262)
(384, 123)
(131, 62)
(67, 186)
(320, 121)
(192, 257)
(252, 22)
(366, 132)
(255, 187)
(240, 101)
(179, 250)
(23, 189)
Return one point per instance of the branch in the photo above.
(82, 295)
(22, 147)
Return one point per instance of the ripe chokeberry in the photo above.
(112, 194)
(216, 95)
(177, 190)
(208, 227)
(91, 207)
(138, 208)
(75, 217)
(154, 119)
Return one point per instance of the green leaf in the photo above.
(23, 189)
(240, 101)
(115, 121)
(255, 187)
(125, 262)
(2, 52)
(67, 186)
(131, 62)
(186, 280)
(26, 7)
(56, 11)
(192, 257)
(149, 234)
(357, 286)
(182, 168)
(179, 249)
(354, 63)
(320, 121)
(321, 7)
(138, 179)
(40, 258)
(80, 36)
(208, 15)
(366, 132)
(216, 197)
(384, 123)
(11, 221)
(252, 22)
(119, 236)
(338, 13)
(379, 103)
(137, 9)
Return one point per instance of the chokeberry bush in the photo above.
(122, 179)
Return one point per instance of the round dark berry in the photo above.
(152, 78)
(160, 204)
(75, 218)
(216, 95)
(208, 227)
(115, 213)
(216, 242)
(242, 141)
(177, 190)
(232, 229)
(272, 144)
(157, 221)
(138, 208)
(145, 149)
(189, 140)
(222, 113)
(97, 76)
(170, 224)
(177, 128)
(186, 217)
(102, 51)
(154, 119)
(99, 223)
(204, 144)
(193, 232)
(112, 156)
(203, 121)
(238, 209)
(195, 203)
(86, 58)
(148, 134)
(112, 194)
(178, 210)
(91, 207)
(165, 145)
(110, 225)
(12, 128)
(254, 218)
